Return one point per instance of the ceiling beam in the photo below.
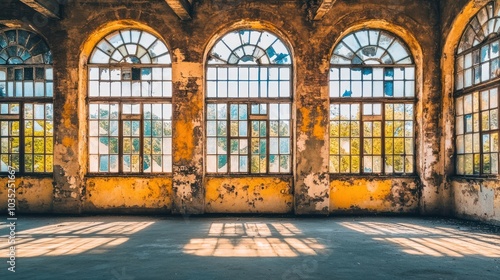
(323, 7)
(181, 7)
(48, 8)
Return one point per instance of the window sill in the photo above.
(215, 175)
(28, 175)
(476, 178)
(110, 175)
(372, 176)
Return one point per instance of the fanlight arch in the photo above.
(23, 47)
(485, 24)
(249, 47)
(371, 47)
(130, 46)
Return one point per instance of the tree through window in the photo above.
(476, 94)
(248, 113)
(26, 109)
(130, 104)
(372, 96)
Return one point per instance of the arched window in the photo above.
(130, 109)
(476, 94)
(372, 96)
(248, 103)
(26, 108)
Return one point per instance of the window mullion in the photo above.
(141, 140)
(249, 140)
(228, 137)
(120, 138)
(268, 159)
(382, 135)
(498, 136)
(362, 140)
(22, 138)
(480, 132)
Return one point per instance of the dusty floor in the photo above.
(125, 248)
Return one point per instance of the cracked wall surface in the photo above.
(431, 29)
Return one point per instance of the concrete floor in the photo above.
(126, 248)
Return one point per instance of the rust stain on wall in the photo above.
(68, 142)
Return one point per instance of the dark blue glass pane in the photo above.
(389, 88)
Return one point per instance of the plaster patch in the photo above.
(179, 55)
(301, 142)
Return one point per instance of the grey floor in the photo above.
(132, 247)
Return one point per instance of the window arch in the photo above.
(248, 104)
(372, 97)
(476, 94)
(130, 104)
(26, 109)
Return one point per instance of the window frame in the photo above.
(383, 137)
(43, 61)
(120, 100)
(249, 101)
(382, 100)
(491, 83)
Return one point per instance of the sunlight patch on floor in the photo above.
(254, 240)
(430, 241)
(72, 238)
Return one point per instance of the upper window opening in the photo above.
(23, 47)
(477, 59)
(249, 47)
(371, 47)
(482, 26)
(131, 46)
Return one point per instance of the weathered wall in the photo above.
(374, 195)
(477, 199)
(33, 195)
(117, 194)
(249, 195)
(312, 189)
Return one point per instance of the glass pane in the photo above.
(284, 146)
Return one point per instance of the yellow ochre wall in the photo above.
(374, 195)
(249, 195)
(125, 194)
(33, 195)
